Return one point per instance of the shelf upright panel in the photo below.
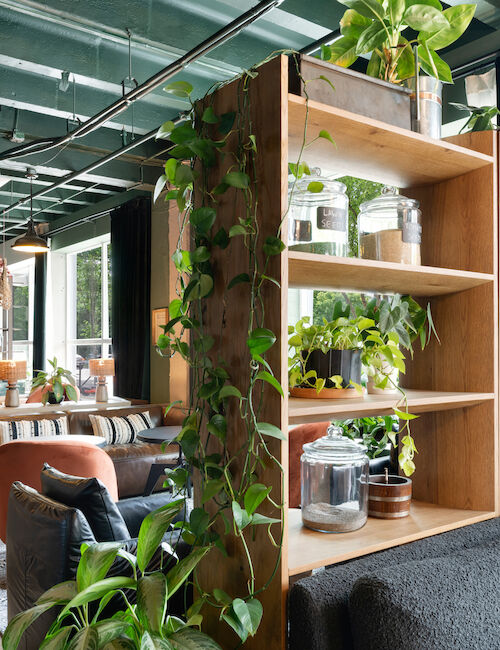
(227, 317)
(458, 450)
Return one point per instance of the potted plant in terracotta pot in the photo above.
(326, 359)
(53, 387)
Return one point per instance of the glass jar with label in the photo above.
(334, 474)
(318, 217)
(390, 228)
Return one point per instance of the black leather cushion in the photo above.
(135, 509)
(43, 548)
(90, 496)
(447, 602)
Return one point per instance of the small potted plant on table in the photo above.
(53, 388)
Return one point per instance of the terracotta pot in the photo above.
(389, 500)
(326, 393)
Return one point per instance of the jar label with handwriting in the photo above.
(329, 218)
(412, 232)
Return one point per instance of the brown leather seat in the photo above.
(22, 460)
(297, 437)
(132, 461)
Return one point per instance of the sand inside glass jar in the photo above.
(333, 519)
(388, 246)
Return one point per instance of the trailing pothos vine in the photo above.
(232, 494)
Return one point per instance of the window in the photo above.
(88, 289)
(19, 341)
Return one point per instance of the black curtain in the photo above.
(131, 298)
(40, 293)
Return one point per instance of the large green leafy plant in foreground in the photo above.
(81, 622)
(377, 27)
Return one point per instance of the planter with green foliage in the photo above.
(147, 623)
(371, 27)
(398, 322)
(327, 356)
(56, 385)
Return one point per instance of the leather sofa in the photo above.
(132, 461)
(43, 548)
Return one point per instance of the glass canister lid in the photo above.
(317, 188)
(389, 200)
(334, 447)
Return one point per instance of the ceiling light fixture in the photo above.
(30, 242)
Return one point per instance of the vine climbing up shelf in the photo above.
(453, 385)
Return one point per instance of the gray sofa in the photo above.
(437, 593)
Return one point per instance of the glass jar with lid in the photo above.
(318, 217)
(334, 483)
(390, 228)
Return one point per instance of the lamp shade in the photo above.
(30, 242)
(11, 371)
(102, 367)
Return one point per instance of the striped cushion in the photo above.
(120, 429)
(24, 429)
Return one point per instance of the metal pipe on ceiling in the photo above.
(90, 168)
(325, 40)
(94, 122)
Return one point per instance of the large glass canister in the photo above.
(390, 228)
(334, 482)
(318, 217)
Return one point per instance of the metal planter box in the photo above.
(354, 91)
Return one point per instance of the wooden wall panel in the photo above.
(227, 320)
(458, 448)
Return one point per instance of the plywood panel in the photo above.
(227, 318)
(310, 271)
(309, 549)
(457, 464)
(419, 401)
(374, 150)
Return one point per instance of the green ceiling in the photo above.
(88, 39)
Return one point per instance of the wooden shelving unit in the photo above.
(309, 271)
(452, 385)
(376, 150)
(309, 549)
(419, 401)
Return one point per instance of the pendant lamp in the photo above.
(30, 242)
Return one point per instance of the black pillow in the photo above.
(90, 496)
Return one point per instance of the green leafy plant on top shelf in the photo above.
(376, 27)
(374, 432)
(481, 118)
(341, 333)
(146, 623)
(56, 384)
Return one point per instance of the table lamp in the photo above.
(11, 371)
(102, 368)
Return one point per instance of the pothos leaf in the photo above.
(266, 376)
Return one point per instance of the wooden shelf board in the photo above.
(419, 401)
(311, 271)
(308, 549)
(375, 150)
